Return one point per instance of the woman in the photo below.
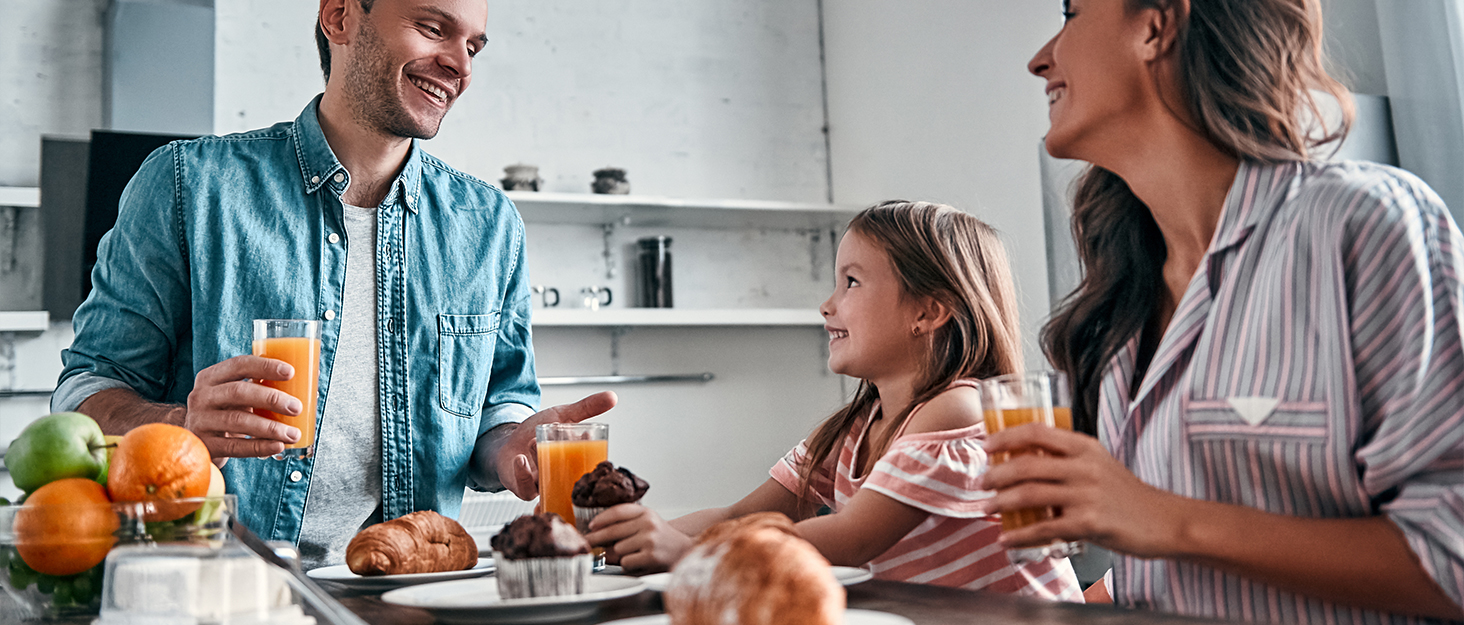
(1268, 347)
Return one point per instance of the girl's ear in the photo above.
(932, 315)
(1161, 29)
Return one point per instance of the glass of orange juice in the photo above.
(1020, 399)
(567, 451)
(297, 342)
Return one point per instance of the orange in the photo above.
(65, 527)
(158, 462)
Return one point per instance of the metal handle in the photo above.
(624, 379)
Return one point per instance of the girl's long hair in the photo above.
(1246, 69)
(942, 253)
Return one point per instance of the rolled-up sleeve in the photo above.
(1403, 270)
(127, 329)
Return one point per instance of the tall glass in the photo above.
(567, 451)
(297, 342)
(1020, 399)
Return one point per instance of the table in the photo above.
(926, 605)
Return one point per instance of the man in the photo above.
(415, 271)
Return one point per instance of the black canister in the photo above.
(655, 272)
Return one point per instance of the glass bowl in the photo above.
(52, 557)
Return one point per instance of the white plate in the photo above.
(477, 601)
(341, 574)
(845, 575)
(851, 617)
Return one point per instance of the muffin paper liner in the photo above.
(542, 577)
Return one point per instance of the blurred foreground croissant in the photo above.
(754, 571)
(420, 542)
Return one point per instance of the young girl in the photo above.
(1268, 346)
(923, 307)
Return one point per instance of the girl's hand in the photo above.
(638, 538)
(1101, 500)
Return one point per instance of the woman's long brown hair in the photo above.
(1246, 68)
(942, 253)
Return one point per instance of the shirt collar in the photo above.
(1257, 192)
(319, 167)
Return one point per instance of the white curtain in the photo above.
(1423, 54)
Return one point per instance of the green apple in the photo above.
(56, 446)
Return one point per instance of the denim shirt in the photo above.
(215, 232)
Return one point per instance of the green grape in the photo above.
(20, 579)
(46, 583)
(82, 589)
(5, 555)
(62, 595)
(4, 501)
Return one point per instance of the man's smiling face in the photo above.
(410, 60)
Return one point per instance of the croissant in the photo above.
(754, 571)
(420, 542)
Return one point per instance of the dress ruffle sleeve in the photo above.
(821, 487)
(938, 472)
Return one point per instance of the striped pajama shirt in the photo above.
(1313, 368)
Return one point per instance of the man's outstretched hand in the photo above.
(518, 458)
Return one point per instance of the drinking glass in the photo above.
(1020, 399)
(297, 342)
(567, 451)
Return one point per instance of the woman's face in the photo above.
(1096, 78)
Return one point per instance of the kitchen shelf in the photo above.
(29, 197)
(651, 211)
(678, 317)
(24, 321)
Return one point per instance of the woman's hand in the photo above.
(638, 538)
(1101, 500)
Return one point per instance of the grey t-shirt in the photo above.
(345, 486)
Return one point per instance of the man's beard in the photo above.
(371, 91)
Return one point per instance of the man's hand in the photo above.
(220, 408)
(517, 461)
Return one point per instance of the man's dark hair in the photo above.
(323, 45)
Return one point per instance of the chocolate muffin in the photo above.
(601, 488)
(539, 556)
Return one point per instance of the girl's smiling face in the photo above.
(869, 317)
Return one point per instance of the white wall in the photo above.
(931, 100)
(715, 98)
(50, 79)
(1353, 45)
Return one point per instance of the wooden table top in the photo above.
(923, 604)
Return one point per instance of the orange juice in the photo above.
(304, 355)
(998, 420)
(561, 464)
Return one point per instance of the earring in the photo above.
(915, 331)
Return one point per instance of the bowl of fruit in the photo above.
(86, 494)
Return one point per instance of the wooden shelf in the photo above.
(677, 317)
(24, 321)
(650, 211)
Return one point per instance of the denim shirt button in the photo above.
(315, 180)
(329, 315)
(340, 177)
(295, 476)
(334, 238)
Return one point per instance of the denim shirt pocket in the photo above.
(465, 345)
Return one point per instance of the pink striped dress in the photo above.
(935, 472)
